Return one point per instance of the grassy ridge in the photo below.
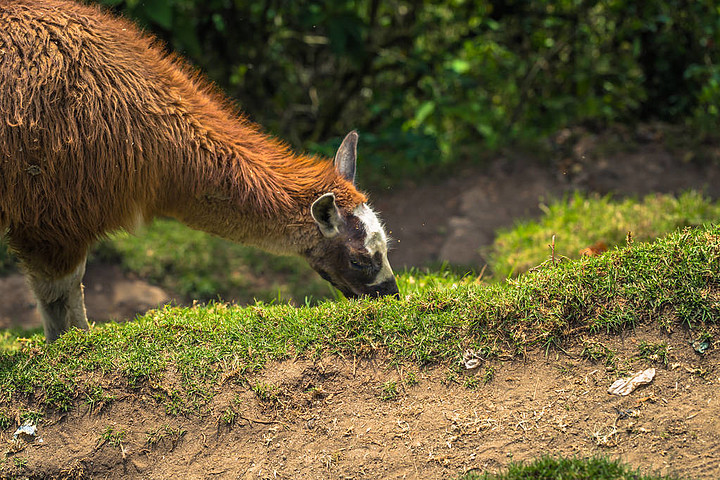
(672, 280)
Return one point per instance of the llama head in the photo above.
(352, 251)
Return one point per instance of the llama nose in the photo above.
(388, 287)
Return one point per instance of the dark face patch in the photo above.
(345, 262)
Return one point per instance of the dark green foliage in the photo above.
(428, 82)
(5, 419)
(7, 261)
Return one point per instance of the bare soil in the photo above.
(338, 417)
(110, 294)
(334, 419)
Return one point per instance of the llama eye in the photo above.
(355, 265)
(360, 265)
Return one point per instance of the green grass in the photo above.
(553, 468)
(389, 391)
(178, 354)
(203, 267)
(655, 352)
(164, 434)
(580, 221)
(112, 437)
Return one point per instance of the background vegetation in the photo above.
(581, 224)
(430, 83)
(199, 266)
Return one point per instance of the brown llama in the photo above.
(101, 130)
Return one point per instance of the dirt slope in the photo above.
(328, 419)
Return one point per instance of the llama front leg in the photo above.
(60, 302)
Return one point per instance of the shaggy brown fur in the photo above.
(100, 129)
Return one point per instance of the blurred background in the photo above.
(432, 84)
(487, 128)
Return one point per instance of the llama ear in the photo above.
(326, 215)
(346, 156)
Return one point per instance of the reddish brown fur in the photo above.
(98, 125)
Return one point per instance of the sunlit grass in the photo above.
(581, 221)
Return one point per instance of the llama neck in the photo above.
(222, 175)
(237, 183)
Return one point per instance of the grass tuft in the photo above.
(389, 391)
(553, 468)
(655, 352)
(112, 437)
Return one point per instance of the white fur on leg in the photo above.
(60, 302)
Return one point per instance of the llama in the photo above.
(101, 130)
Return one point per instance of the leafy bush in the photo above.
(427, 82)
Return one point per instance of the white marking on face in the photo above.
(375, 240)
